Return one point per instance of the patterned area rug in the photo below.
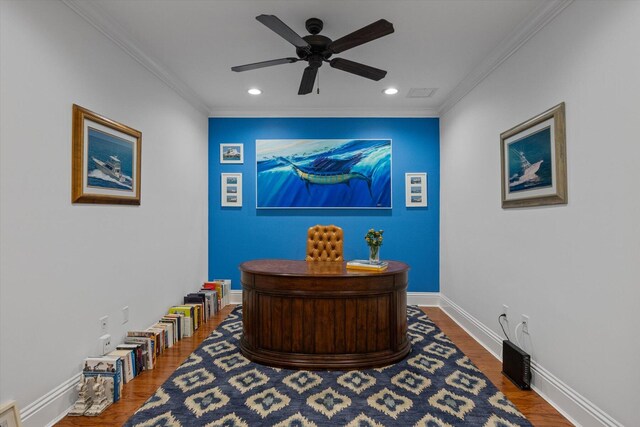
(436, 385)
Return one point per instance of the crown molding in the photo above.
(533, 23)
(94, 15)
(320, 112)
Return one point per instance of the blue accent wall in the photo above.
(411, 234)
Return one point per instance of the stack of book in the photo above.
(223, 289)
(366, 265)
(142, 347)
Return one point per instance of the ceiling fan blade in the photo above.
(263, 64)
(357, 68)
(277, 26)
(308, 79)
(373, 31)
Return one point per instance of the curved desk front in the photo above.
(319, 315)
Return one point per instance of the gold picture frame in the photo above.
(533, 161)
(105, 162)
(9, 415)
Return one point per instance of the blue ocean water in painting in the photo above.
(324, 173)
(530, 162)
(102, 146)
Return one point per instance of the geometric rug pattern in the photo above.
(436, 385)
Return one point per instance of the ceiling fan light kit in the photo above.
(254, 91)
(316, 49)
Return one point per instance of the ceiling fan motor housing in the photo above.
(319, 47)
(314, 25)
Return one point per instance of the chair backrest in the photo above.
(324, 243)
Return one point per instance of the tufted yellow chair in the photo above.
(324, 243)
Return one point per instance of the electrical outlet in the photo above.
(525, 324)
(104, 324)
(105, 343)
(125, 314)
(505, 309)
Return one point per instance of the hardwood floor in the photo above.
(534, 407)
(135, 393)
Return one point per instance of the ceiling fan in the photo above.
(316, 49)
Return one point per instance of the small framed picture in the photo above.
(534, 162)
(9, 415)
(232, 153)
(231, 190)
(415, 189)
(105, 160)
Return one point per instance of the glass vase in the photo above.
(374, 254)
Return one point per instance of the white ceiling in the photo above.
(450, 45)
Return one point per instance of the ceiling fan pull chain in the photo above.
(318, 87)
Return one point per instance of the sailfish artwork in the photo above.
(327, 171)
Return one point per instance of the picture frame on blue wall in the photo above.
(533, 161)
(105, 160)
(231, 190)
(415, 189)
(323, 174)
(232, 153)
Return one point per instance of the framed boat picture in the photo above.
(415, 187)
(533, 161)
(231, 190)
(232, 153)
(105, 160)
(323, 173)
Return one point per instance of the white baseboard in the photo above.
(235, 297)
(571, 404)
(53, 406)
(424, 299)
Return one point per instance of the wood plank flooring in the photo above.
(135, 393)
(534, 407)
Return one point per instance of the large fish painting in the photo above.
(328, 173)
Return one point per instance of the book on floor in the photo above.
(188, 313)
(147, 349)
(152, 344)
(138, 351)
(197, 314)
(128, 363)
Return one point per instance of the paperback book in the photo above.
(366, 265)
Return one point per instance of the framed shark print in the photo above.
(323, 173)
(105, 160)
(533, 161)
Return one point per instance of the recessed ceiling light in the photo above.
(254, 91)
(390, 91)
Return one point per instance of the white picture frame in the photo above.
(231, 190)
(9, 415)
(415, 189)
(232, 153)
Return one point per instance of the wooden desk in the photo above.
(319, 315)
